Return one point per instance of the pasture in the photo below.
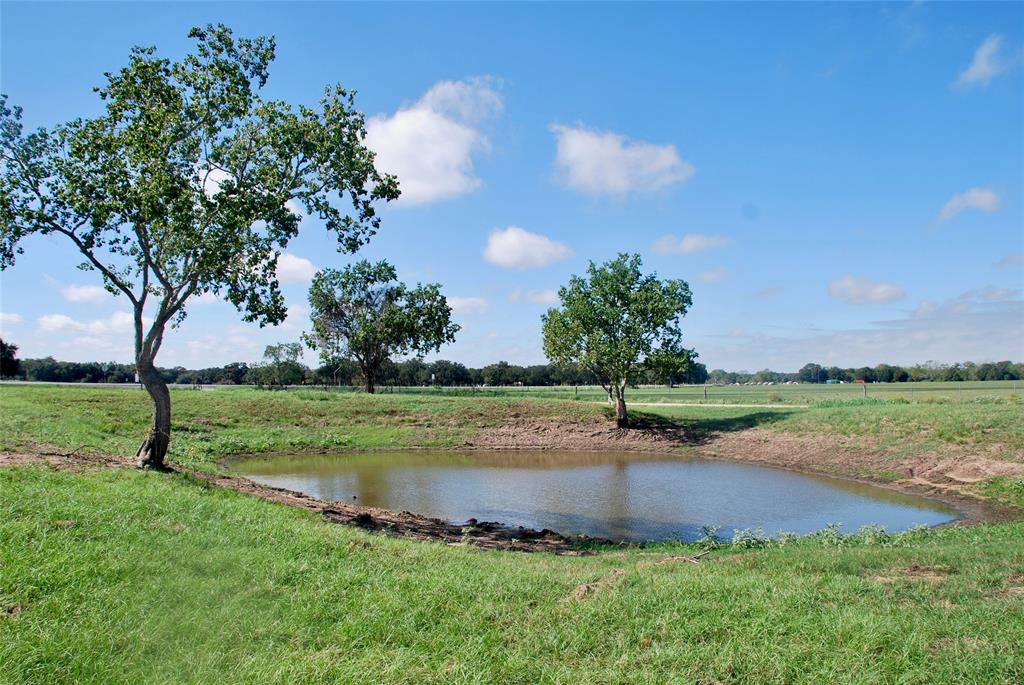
(111, 574)
(804, 393)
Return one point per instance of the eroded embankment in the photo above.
(948, 474)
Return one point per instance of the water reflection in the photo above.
(621, 496)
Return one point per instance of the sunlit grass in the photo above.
(123, 576)
(209, 425)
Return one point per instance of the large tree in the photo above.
(187, 184)
(612, 320)
(362, 312)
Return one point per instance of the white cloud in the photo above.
(296, 318)
(212, 179)
(10, 319)
(95, 343)
(116, 323)
(989, 294)
(431, 144)
(85, 293)
(204, 298)
(689, 243)
(471, 100)
(233, 345)
(517, 248)
(294, 269)
(607, 163)
(986, 64)
(925, 308)
(969, 301)
(295, 208)
(468, 305)
(988, 331)
(534, 296)
(984, 199)
(864, 291)
(712, 276)
(1010, 260)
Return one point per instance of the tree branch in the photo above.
(107, 273)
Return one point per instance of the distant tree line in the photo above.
(51, 370)
(282, 367)
(882, 373)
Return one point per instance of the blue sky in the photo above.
(837, 183)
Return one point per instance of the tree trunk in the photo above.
(368, 384)
(621, 419)
(153, 450)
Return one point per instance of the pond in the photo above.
(620, 496)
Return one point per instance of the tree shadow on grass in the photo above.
(699, 430)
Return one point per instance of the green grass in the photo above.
(912, 427)
(113, 575)
(967, 391)
(210, 425)
(1006, 490)
(123, 576)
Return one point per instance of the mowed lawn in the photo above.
(114, 575)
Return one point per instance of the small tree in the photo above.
(812, 373)
(10, 365)
(362, 312)
(185, 185)
(281, 365)
(612, 320)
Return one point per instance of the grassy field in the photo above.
(212, 424)
(753, 394)
(114, 575)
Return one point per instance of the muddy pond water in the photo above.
(627, 496)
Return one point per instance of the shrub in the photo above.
(749, 538)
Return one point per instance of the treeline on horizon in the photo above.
(415, 372)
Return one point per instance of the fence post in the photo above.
(705, 391)
(865, 389)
